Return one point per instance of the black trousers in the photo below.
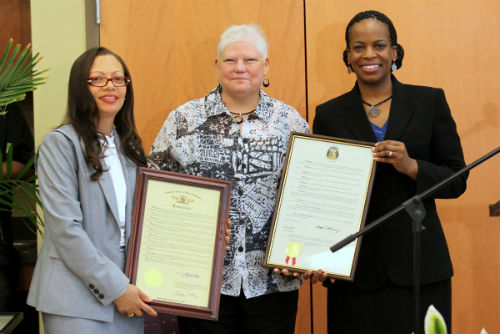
(388, 309)
(272, 313)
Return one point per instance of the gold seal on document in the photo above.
(332, 153)
(153, 278)
(292, 251)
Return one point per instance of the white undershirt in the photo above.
(116, 171)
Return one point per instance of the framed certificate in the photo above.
(9, 321)
(176, 246)
(323, 197)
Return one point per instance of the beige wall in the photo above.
(58, 33)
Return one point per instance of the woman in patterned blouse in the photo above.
(238, 133)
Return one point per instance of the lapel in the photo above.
(355, 118)
(402, 109)
(108, 190)
(105, 182)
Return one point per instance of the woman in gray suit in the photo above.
(86, 170)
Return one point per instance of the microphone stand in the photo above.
(416, 211)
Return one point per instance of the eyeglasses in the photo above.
(102, 81)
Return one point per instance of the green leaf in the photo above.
(26, 168)
(6, 52)
(27, 189)
(6, 101)
(25, 202)
(8, 167)
(4, 72)
(17, 73)
(18, 65)
(434, 322)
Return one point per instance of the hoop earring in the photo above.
(349, 69)
(393, 66)
(265, 82)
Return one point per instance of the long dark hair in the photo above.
(82, 113)
(393, 36)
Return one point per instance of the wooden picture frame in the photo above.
(177, 243)
(323, 197)
(9, 321)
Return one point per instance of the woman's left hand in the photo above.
(394, 152)
(286, 272)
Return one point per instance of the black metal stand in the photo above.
(416, 211)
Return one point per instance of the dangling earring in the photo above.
(265, 82)
(393, 66)
(349, 69)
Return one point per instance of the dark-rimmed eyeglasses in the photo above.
(102, 81)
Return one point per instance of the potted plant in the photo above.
(434, 322)
(17, 77)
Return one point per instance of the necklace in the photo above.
(238, 117)
(374, 111)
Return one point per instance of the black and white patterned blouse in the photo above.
(201, 138)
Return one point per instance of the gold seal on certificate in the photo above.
(176, 250)
(323, 198)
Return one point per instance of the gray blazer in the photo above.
(79, 271)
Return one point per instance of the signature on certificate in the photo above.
(329, 228)
(190, 275)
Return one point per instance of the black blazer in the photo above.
(421, 119)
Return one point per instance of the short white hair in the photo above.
(243, 33)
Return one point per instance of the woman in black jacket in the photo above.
(417, 145)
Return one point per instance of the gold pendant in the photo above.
(238, 119)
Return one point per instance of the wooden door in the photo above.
(453, 44)
(16, 24)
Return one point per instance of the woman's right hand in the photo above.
(133, 302)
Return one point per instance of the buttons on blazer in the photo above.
(96, 291)
(240, 248)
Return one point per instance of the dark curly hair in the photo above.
(393, 36)
(82, 112)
